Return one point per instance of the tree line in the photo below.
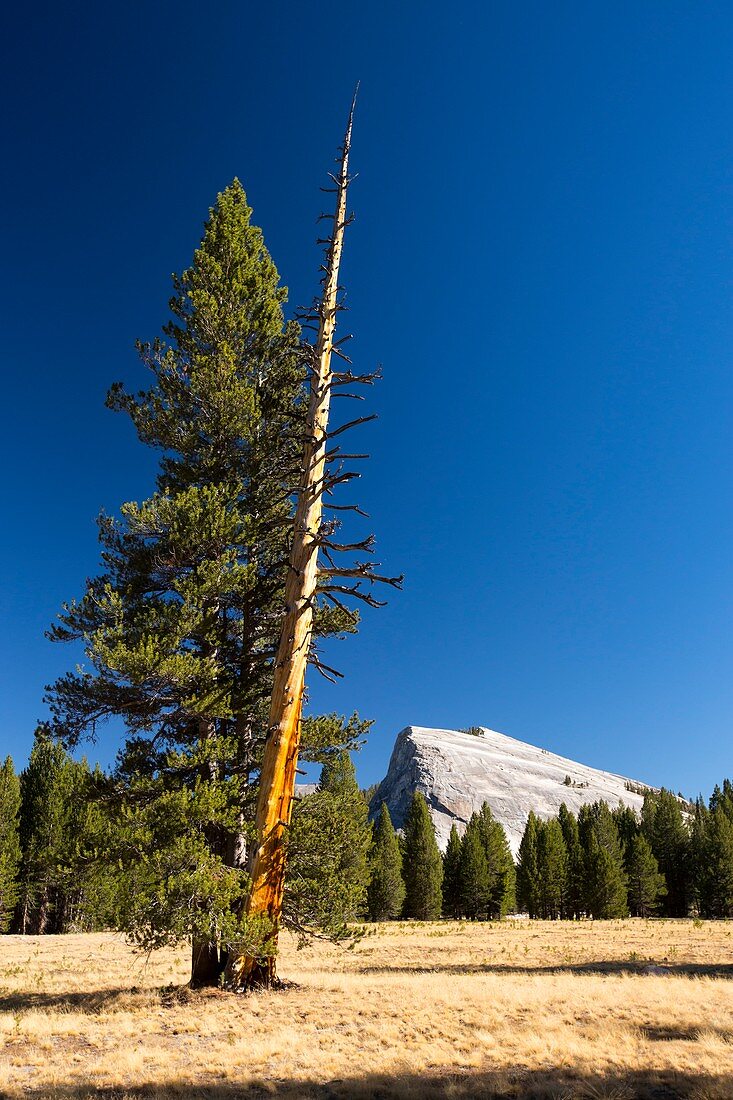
(75, 858)
(608, 863)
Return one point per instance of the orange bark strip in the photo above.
(277, 778)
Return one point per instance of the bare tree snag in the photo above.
(277, 777)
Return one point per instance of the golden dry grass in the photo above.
(610, 1011)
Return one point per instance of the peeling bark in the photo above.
(277, 777)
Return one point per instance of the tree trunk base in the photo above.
(206, 965)
(256, 976)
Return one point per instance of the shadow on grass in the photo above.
(554, 1083)
(93, 1001)
(112, 1000)
(643, 968)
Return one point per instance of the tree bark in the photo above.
(277, 777)
(205, 964)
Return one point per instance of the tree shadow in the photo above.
(91, 1002)
(552, 1083)
(647, 968)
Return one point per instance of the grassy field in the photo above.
(611, 1011)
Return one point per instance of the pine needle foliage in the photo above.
(386, 893)
(180, 627)
(474, 880)
(9, 842)
(528, 883)
(329, 845)
(646, 884)
(422, 863)
(452, 875)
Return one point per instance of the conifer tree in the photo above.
(527, 870)
(627, 826)
(715, 872)
(573, 907)
(502, 872)
(422, 864)
(603, 867)
(9, 842)
(665, 829)
(698, 844)
(646, 884)
(452, 875)
(42, 834)
(181, 627)
(552, 870)
(722, 798)
(473, 870)
(386, 893)
(329, 844)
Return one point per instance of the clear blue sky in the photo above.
(542, 261)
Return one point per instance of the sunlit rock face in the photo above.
(458, 772)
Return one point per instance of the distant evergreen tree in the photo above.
(386, 893)
(552, 870)
(527, 870)
(60, 887)
(722, 799)
(422, 865)
(328, 850)
(502, 872)
(698, 854)
(574, 894)
(474, 880)
(715, 872)
(604, 876)
(42, 834)
(9, 842)
(646, 884)
(627, 826)
(665, 829)
(452, 875)
(605, 887)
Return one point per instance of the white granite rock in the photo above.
(458, 772)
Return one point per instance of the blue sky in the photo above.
(542, 262)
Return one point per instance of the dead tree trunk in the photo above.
(277, 777)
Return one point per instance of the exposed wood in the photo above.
(277, 777)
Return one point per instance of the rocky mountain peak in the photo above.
(458, 771)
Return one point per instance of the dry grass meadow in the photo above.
(610, 1011)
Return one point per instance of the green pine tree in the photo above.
(42, 834)
(627, 827)
(329, 844)
(527, 870)
(603, 865)
(715, 872)
(552, 870)
(422, 864)
(646, 884)
(452, 875)
(664, 827)
(180, 628)
(473, 871)
(574, 906)
(386, 893)
(9, 842)
(722, 798)
(698, 846)
(502, 872)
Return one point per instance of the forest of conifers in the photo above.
(73, 858)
